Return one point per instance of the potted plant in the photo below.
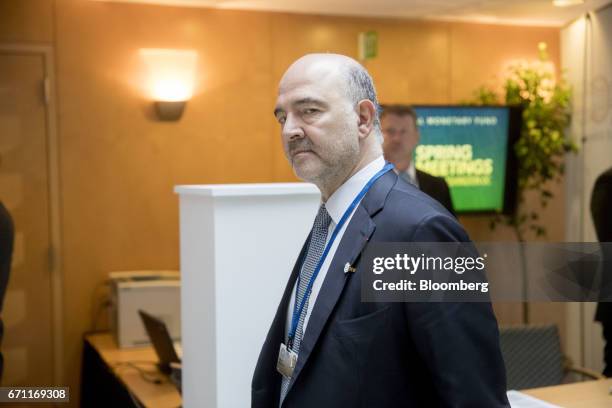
(543, 141)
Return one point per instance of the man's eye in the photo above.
(310, 111)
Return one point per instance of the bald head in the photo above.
(322, 62)
(339, 71)
(327, 110)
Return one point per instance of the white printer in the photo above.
(156, 292)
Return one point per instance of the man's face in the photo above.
(318, 124)
(400, 137)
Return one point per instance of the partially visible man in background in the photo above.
(399, 126)
(601, 201)
(7, 238)
(7, 234)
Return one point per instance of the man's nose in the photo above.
(292, 128)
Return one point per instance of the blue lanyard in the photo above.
(298, 311)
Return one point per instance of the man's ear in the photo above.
(367, 115)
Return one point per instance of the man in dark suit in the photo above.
(601, 203)
(7, 237)
(401, 137)
(332, 349)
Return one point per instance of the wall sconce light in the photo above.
(170, 110)
(171, 79)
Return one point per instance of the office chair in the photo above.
(533, 357)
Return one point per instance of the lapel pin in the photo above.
(348, 268)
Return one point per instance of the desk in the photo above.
(587, 394)
(107, 379)
(109, 376)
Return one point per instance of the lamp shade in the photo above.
(170, 110)
(171, 79)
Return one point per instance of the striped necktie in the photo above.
(315, 250)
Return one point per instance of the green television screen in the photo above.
(470, 146)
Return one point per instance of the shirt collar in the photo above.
(411, 170)
(340, 200)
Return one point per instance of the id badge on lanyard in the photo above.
(287, 358)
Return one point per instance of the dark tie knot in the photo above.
(323, 218)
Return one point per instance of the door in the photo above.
(24, 189)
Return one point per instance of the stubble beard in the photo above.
(334, 165)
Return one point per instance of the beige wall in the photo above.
(119, 165)
(27, 21)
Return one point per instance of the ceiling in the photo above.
(515, 12)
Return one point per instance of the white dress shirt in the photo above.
(411, 173)
(336, 205)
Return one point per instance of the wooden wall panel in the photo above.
(479, 53)
(119, 163)
(413, 65)
(26, 21)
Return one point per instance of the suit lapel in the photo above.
(266, 379)
(278, 326)
(358, 232)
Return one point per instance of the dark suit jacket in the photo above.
(7, 235)
(601, 204)
(435, 187)
(381, 355)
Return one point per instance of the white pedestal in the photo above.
(238, 245)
